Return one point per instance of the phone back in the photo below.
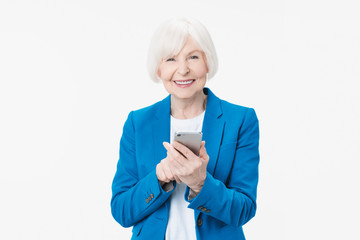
(191, 140)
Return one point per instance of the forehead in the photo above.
(190, 46)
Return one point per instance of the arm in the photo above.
(132, 198)
(235, 202)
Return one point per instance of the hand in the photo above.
(164, 173)
(185, 165)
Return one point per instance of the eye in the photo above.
(194, 57)
(170, 59)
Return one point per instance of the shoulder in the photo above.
(235, 116)
(231, 108)
(238, 115)
(240, 119)
(229, 111)
(146, 114)
(224, 106)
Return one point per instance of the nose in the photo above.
(183, 68)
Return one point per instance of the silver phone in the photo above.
(191, 140)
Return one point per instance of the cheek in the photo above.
(201, 70)
(165, 73)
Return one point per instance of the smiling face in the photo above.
(184, 75)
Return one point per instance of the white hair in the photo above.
(170, 37)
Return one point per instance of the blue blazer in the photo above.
(228, 198)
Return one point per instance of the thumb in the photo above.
(203, 154)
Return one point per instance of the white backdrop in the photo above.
(72, 70)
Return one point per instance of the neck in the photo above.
(188, 108)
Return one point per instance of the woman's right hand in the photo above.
(164, 174)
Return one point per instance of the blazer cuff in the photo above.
(155, 191)
(191, 195)
(167, 187)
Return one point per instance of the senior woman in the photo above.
(163, 189)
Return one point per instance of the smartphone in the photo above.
(191, 140)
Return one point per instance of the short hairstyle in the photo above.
(171, 36)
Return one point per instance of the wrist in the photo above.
(197, 188)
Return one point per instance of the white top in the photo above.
(181, 224)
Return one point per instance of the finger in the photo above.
(183, 150)
(174, 164)
(173, 168)
(168, 172)
(176, 159)
(160, 173)
(166, 145)
(202, 148)
(172, 152)
(203, 154)
(177, 179)
(177, 166)
(168, 175)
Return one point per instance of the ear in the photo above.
(158, 76)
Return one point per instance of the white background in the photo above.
(72, 70)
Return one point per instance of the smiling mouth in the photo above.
(184, 82)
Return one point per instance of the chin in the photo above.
(185, 93)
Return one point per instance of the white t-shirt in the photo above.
(181, 224)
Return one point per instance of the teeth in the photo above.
(184, 82)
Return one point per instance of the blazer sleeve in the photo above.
(133, 198)
(235, 202)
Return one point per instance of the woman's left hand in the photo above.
(188, 167)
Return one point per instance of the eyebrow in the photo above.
(192, 51)
(196, 50)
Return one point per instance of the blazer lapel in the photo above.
(161, 129)
(213, 127)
